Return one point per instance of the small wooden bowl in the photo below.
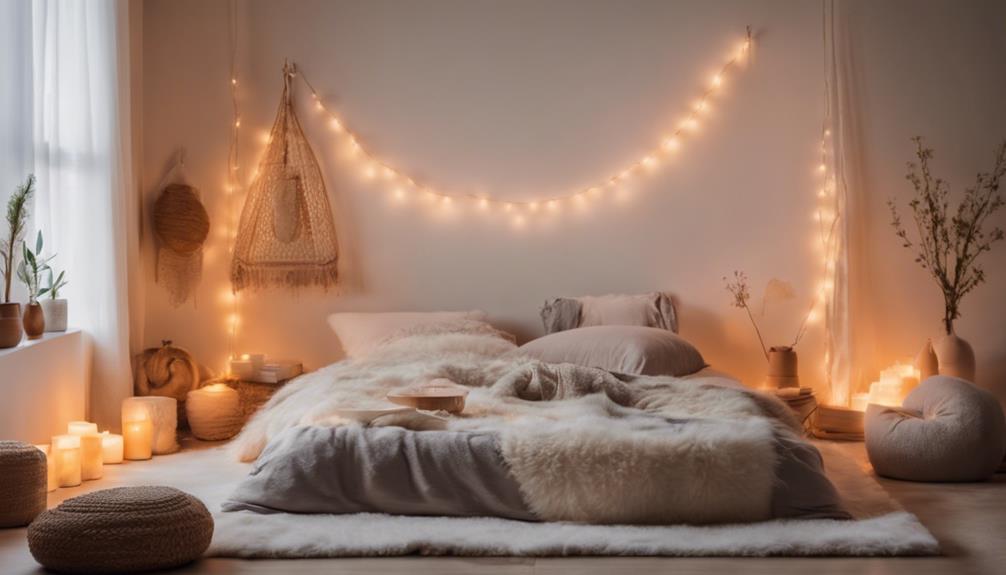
(437, 395)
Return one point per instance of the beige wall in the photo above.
(525, 98)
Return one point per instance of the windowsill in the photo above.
(46, 337)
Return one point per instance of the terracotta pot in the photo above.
(10, 324)
(926, 361)
(55, 314)
(955, 357)
(782, 367)
(34, 320)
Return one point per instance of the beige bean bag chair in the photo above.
(946, 430)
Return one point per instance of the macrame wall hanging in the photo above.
(182, 225)
(286, 235)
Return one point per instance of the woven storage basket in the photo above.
(122, 530)
(23, 479)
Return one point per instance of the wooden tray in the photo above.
(437, 395)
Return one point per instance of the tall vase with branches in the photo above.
(947, 243)
(17, 221)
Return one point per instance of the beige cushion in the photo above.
(360, 333)
(654, 309)
(946, 430)
(619, 348)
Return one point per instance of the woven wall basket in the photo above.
(286, 236)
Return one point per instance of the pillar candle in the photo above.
(162, 412)
(111, 448)
(52, 480)
(91, 466)
(138, 437)
(65, 450)
(81, 428)
(214, 412)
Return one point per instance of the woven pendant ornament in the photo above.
(286, 235)
(182, 225)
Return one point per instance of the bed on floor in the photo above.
(537, 441)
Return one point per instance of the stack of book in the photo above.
(833, 422)
(799, 399)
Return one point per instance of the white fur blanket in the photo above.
(582, 444)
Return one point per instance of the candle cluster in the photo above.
(80, 455)
(891, 389)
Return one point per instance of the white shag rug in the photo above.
(884, 529)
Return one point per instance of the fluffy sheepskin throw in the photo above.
(583, 444)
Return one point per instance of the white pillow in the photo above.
(360, 333)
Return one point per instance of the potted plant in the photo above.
(54, 307)
(17, 220)
(782, 360)
(949, 243)
(30, 272)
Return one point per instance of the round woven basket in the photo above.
(122, 530)
(180, 220)
(23, 479)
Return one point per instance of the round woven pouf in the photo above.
(22, 483)
(121, 530)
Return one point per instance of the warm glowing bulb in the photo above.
(399, 194)
(369, 171)
(446, 200)
(812, 316)
(318, 105)
(387, 173)
(701, 106)
(508, 207)
(717, 80)
(823, 192)
(821, 167)
(649, 162)
(690, 124)
(594, 191)
(671, 144)
(335, 124)
(552, 205)
(484, 203)
(264, 137)
(533, 206)
(237, 123)
(827, 133)
(518, 221)
(234, 81)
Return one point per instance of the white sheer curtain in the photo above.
(86, 204)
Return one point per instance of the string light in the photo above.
(234, 184)
(671, 143)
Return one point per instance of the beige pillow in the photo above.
(360, 333)
(628, 349)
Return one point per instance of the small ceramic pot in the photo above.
(34, 320)
(955, 357)
(782, 367)
(10, 324)
(55, 314)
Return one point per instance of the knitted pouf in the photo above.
(22, 483)
(122, 530)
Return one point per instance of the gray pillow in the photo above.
(628, 349)
(655, 309)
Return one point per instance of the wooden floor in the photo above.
(968, 519)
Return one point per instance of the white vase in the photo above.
(55, 314)
(955, 357)
(927, 362)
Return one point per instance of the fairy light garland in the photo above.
(233, 185)
(402, 184)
